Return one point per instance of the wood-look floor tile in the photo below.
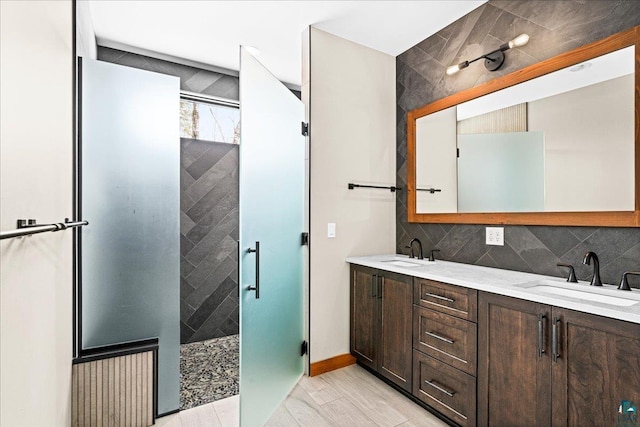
(304, 409)
(350, 396)
(282, 418)
(228, 411)
(425, 422)
(395, 399)
(169, 421)
(416, 414)
(201, 416)
(366, 394)
(319, 390)
(342, 412)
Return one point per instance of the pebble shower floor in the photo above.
(209, 371)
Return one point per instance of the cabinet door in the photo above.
(596, 370)
(395, 328)
(514, 376)
(364, 314)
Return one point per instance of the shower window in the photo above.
(217, 122)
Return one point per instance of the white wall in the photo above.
(35, 182)
(589, 151)
(86, 45)
(437, 163)
(352, 139)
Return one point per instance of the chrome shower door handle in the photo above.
(257, 285)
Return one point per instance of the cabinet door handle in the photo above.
(374, 286)
(541, 318)
(555, 350)
(440, 337)
(441, 388)
(440, 297)
(381, 287)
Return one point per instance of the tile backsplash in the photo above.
(554, 27)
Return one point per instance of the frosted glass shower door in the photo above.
(130, 188)
(272, 151)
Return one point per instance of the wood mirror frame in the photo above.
(615, 42)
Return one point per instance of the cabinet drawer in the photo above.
(454, 300)
(447, 338)
(446, 389)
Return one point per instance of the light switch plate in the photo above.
(331, 230)
(495, 236)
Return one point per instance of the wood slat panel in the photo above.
(93, 396)
(123, 391)
(138, 358)
(98, 401)
(149, 387)
(115, 391)
(111, 392)
(504, 120)
(87, 394)
(128, 396)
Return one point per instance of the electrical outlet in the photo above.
(495, 236)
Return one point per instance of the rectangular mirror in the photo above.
(554, 143)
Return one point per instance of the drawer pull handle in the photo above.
(440, 337)
(440, 297)
(435, 385)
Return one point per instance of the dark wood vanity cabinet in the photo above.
(540, 365)
(596, 368)
(381, 322)
(444, 343)
(364, 315)
(514, 376)
(490, 360)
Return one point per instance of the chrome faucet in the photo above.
(595, 280)
(412, 255)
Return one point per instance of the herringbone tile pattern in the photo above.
(208, 240)
(554, 27)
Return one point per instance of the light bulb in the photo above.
(453, 69)
(521, 40)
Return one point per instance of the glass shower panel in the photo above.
(501, 172)
(130, 187)
(272, 177)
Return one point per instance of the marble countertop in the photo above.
(604, 301)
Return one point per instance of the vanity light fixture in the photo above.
(494, 59)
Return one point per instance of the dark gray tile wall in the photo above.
(209, 305)
(208, 240)
(191, 79)
(554, 27)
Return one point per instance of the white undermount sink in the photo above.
(401, 263)
(585, 293)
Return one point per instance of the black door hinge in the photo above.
(457, 152)
(304, 240)
(304, 348)
(305, 129)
